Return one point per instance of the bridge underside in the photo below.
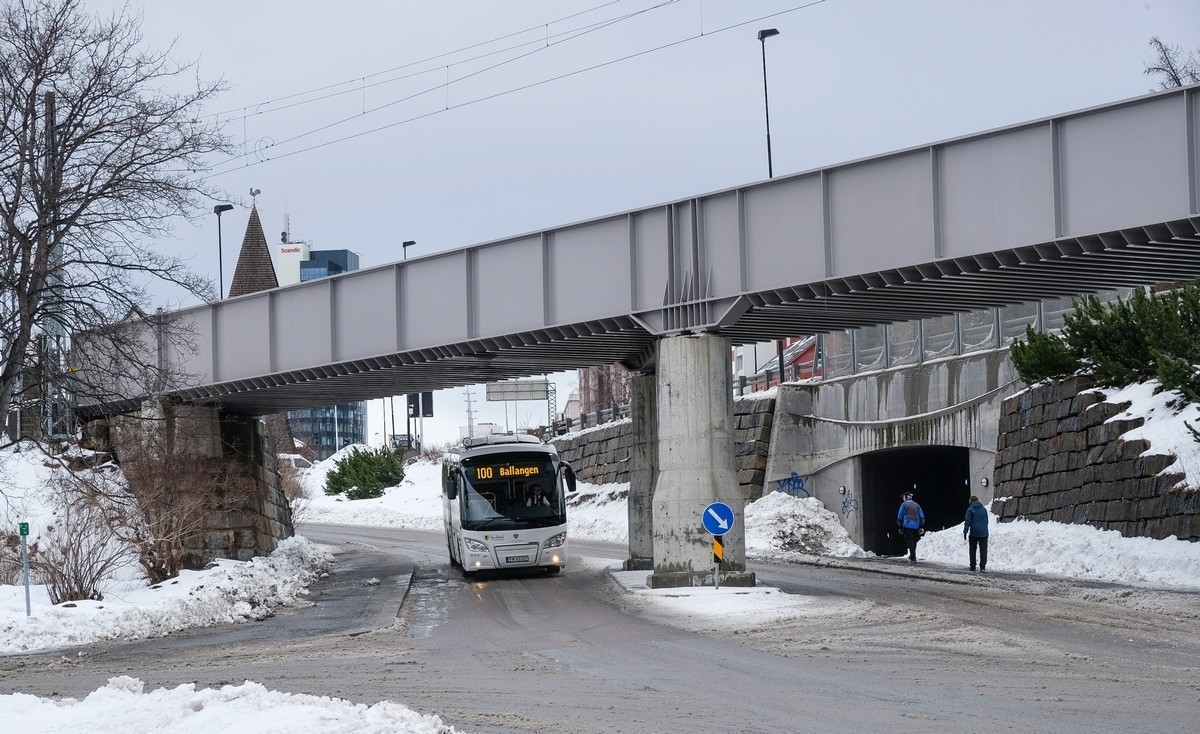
(1168, 252)
(1164, 253)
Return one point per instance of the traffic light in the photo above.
(427, 404)
(414, 405)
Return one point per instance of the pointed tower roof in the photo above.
(255, 271)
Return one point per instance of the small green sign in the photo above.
(24, 528)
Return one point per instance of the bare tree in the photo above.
(98, 155)
(601, 388)
(1171, 67)
(78, 552)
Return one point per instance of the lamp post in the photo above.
(763, 35)
(405, 245)
(220, 209)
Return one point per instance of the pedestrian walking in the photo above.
(975, 531)
(911, 519)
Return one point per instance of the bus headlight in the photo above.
(556, 541)
(474, 546)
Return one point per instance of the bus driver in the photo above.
(537, 498)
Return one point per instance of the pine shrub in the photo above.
(364, 474)
(1147, 336)
(1042, 357)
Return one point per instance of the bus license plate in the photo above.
(517, 559)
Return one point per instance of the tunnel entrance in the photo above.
(939, 478)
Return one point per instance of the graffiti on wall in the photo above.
(849, 503)
(795, 485)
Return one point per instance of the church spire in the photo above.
(255, 271)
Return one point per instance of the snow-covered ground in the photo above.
(229, 591)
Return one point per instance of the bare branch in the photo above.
(1172, 68)
(101, 142)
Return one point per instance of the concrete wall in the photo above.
(821, 428)
(1061, 457)
(601, 455)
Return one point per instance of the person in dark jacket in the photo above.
(975, 530)
(911, 518)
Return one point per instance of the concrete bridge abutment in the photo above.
(643, 469)
(695, 465)
(220, 470)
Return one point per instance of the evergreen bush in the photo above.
(1147, 336)
(1042, 357)
(364, 474)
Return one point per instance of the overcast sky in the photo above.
(562, 110)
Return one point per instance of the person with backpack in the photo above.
(911, 518)
(975, 531)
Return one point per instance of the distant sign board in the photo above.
(518, 390)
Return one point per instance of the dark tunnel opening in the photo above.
(939, 478)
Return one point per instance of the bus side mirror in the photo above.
(569, 475)
(452, 486)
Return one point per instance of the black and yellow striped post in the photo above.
(718, 558)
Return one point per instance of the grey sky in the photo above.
(673, 109)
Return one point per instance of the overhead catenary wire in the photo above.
(241, 161)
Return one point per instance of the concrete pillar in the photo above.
(696, 465)
(643, 469)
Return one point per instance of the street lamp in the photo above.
(763, 35)
(405, 245)
(218, 210)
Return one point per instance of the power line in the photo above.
(511, 90)
(361, 81)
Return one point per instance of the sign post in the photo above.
(25, 563)
(718, 519)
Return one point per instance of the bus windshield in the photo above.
(511, 491)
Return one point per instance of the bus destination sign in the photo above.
(506, 471)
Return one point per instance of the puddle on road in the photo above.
(428, 602)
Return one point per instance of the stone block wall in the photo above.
(1060, 457)
(753, 419)
(255, 514)
(601, 455)
(262, 517)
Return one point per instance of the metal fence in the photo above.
(872, 348)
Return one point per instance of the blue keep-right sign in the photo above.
(718, 518)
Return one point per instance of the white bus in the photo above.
(504, 504)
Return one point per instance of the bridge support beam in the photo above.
(696, 465)
(643, 469)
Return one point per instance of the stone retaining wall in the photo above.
(1061, 457)
(601, 455)
(753, 419)
(255, 516)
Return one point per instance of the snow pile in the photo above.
(1072, 551)
(228, 591)
(780, 527)
(123, 706)
(1167, 419)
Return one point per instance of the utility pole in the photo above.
(392, 400)
(54, 331)
(470, 415)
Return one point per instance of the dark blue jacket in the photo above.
(976, 524)
(911, 515)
